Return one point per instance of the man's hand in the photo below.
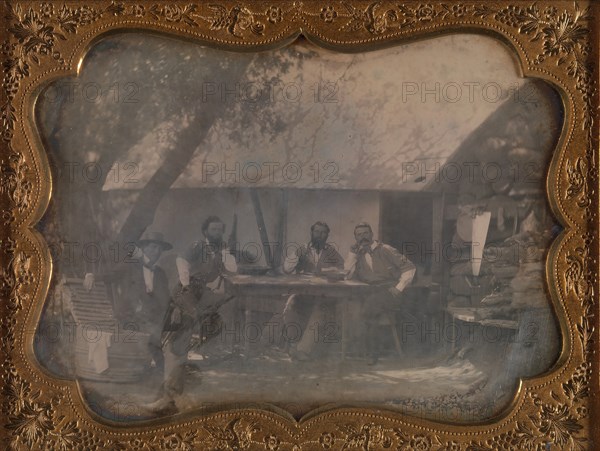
(216, 286)
(395, 292)
(88, 282)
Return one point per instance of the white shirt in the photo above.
(350, 267)
(148, 276)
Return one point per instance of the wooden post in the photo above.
(262, 229)
(438, 204)
(281, 229)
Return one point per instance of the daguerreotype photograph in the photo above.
(299, 227)
(290, 226)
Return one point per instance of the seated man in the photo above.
(387, 269)
(196, 301)
(309, 259)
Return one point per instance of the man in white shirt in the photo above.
(304, 311)
(384, 267)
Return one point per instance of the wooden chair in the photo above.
(431, 295)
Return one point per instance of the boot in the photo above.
(165, 405)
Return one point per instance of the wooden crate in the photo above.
(128, 356)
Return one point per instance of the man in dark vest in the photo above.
(387, 270)
(201, 269)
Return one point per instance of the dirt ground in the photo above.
(429, 386)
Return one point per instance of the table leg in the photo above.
(245, 331)
(236, 321)
(240, 321)
(344, 328)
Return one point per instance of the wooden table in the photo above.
(247, 288)
(310, 285)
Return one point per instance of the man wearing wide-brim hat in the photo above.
(141, 292)
(154, 237)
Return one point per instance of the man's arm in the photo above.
(404, 266)
(405, 279)
(290, 263)
(350, 265)
(229, 262)
(333, 258)
(294, 262)
(183, 270)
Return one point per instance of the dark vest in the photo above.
(133, 304)
(206, 261)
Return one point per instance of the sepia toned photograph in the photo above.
(298, 229)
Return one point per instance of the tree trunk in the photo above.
(142, 214)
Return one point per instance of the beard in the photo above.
(216, 242)
(318, 243)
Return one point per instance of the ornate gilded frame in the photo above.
(553, 40)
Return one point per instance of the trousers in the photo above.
(179, 341)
